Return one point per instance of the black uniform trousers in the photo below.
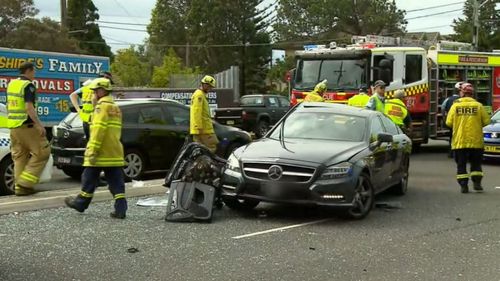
(474, 156)
(86, 130)
(114, 177)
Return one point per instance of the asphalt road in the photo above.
(434, 233)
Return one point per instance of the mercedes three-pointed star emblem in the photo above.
(275, 172)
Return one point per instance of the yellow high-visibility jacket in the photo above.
(313, 97)
(467, 117)
(16, 106)
(104, 148)
(200, 118)
(396, 110)
(87, 106)
(359, 100)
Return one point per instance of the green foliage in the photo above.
(336, 19)
(277, 75)
(172, 64)
(489, 31)
(82, 15)
(232, 26)
(130, 69)
(12, 13)
(44, 35)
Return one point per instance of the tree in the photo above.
(130, 69)
(314, 20)
(44, 35)
(12, 12)
(277, 73)
(489, 32)
(82, 15)
(172, 64)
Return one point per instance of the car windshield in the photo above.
(496, 117)
(72, 120)
(252, 101)
(348, 74)
(322, 125)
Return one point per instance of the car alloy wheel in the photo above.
(9, 177)
(134, 165)
(402, 187)
(7, 182)
(363, 198)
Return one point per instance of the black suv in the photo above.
(152, 134)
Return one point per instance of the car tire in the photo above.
(134, 164)
(73, 172)
(7, 182)
(364, 198)
(240, 204)
(261, 129)
(402, 187)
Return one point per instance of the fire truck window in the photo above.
(308, 74)
(377, 72)
(413, 68)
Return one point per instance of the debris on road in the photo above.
(312, 248)
(132, 250)
(137, 183)
(458, 219)
(389, 205)
(153, 202)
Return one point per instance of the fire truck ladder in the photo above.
(434, 107)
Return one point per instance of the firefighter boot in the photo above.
(120, 209)
(478, 187)
(464, 188)
(79, 203)
(24, 191)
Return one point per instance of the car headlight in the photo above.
(337, 171)
(233, 163)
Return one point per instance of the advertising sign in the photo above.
(57, 75)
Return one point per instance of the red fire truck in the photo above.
(427, 77)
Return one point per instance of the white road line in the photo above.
(497, 187)
(279, 229)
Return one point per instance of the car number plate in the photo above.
(490, 148)
(230, 122)
(271, 189)
(63, 160)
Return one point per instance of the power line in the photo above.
(433, 7)
(122, 28)
(122, 23)
(429, 27)
(435, 14)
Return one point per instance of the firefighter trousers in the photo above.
(474, 156)
(30, 152)
(90, 179)
(208, 140)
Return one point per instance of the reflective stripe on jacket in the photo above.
(467, 117)
(313, 97)
(396, 110)
(16, 106)
(200, 118)
(87, 106)
(359, 100)
(104, 148)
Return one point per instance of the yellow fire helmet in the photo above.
(208, 80)
(101, 83)
(321, 87)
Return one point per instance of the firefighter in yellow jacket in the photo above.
(360, 99)
(104, 152)
(396, 110)
(88, 102)
(201, 127)
(29, 147)
(467, 117)
(317, 94)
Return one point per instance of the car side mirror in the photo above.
(383, 137)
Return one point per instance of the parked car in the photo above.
(321, 154)
(152, 134)
(6, 164)
(257, 113)
(492, 137)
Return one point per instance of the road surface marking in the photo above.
(497, 187)
(279, 229)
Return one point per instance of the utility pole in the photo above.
(64, 13)
(475, 26)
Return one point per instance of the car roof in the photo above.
(136, 101)
(336, 108)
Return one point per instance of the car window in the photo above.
(179, 114)
(252, 100)
(324, 126)
(273, 102)
(390, 127)
(152, 115)
(496, 116)
(130, 116)
(284, 102)
(375, 128)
